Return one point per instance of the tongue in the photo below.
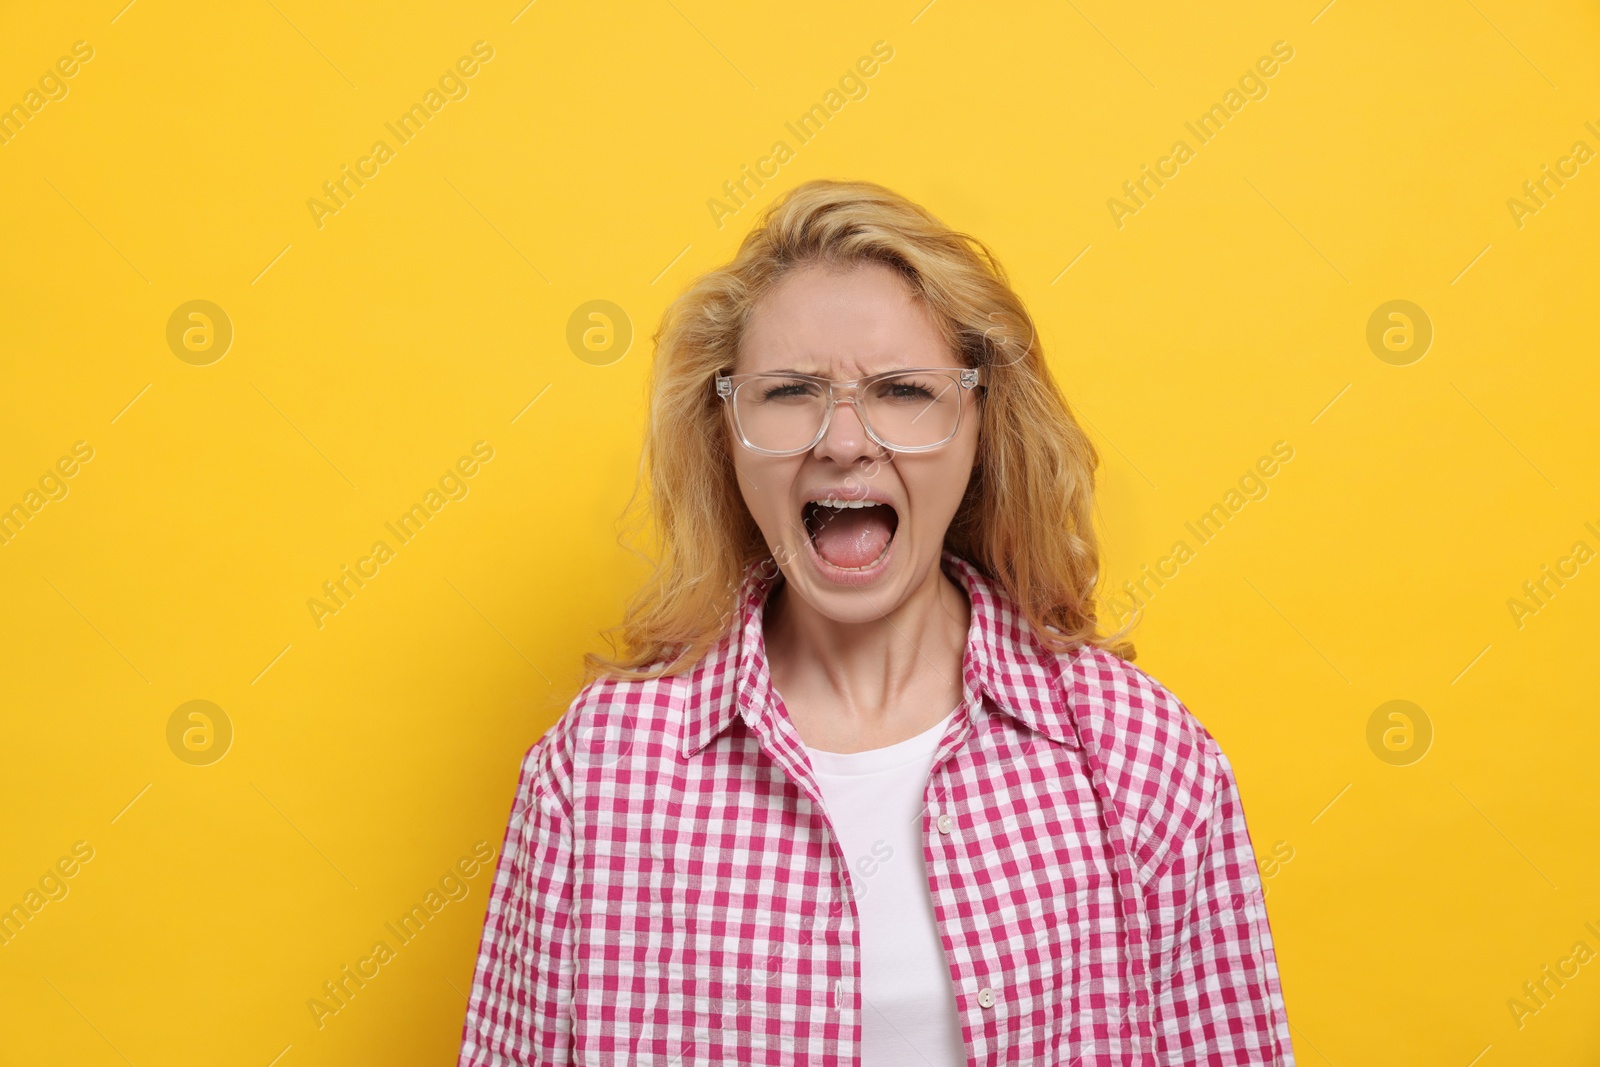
(853, 537)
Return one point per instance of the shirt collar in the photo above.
(1003, 662)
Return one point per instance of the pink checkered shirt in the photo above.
(671, 891)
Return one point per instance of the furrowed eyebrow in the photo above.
(819, 374)
(781, 371)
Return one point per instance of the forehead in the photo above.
(841, 323)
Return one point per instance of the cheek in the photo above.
(961, 456)
(936, 490)
(763, 484)
(955, 482)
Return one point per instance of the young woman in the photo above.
(868, 784)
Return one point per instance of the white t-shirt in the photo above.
(875, 800)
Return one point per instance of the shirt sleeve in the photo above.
(519, 1014)
(1217, 997)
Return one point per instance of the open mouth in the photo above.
(850, 534)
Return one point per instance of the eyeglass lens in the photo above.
(916, 409)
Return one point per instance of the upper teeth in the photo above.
(834, 503)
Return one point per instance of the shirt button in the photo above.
(986, 997)
(945, 823)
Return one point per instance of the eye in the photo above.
(907, 389)
(790, 389)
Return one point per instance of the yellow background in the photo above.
(1229, 313)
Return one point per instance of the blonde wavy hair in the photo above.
(1026, 520)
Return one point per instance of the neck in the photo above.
(876, 672)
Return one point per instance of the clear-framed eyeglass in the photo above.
(913, 409)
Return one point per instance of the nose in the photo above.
(845, 441)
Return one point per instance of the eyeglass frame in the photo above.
(727, 384)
